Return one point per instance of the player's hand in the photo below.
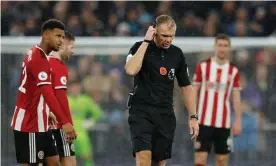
(150, 33)
(69, 131)
(194, 128)
(52, 121)
(237, 128)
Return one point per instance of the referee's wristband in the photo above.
(147, 41)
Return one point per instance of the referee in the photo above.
(154, 63)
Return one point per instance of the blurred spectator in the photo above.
(6, 18)
(242, 15)
(116, 98)
(242, 58)
(188, 26)
(85, 113)
(132, 20)
(270, 20)
(17, 29)
(239, 29)
(21, 10)
(228, 13)
(246, 144)
(46, 11)
(93, 26)
(32, 29)
(91, 5)
(262, 77)
(265, 57)
(123, 29)
(209, 29)
(97, 85)
(110, 29)
(145, 19)
(84, 66)
(73, 74)
(212, 25)
(115, 62)
(251, 94)
(119, 9)
(74, 25)
(164, 8)
(60, 10)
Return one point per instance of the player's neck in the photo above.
(56, 55)
(220, 61)
(45, 47)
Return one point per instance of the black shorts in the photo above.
(220, 138)
(33, 147)
(65, 149)
(152, 128)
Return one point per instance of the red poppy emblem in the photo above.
(163, 71)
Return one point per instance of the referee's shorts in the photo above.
(152, 128)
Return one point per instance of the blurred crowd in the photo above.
(123, 18)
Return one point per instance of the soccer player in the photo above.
(214, 80)
(59, 80)
(35, 99)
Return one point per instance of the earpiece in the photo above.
(154, 24)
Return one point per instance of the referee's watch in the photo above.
(195, 116)
(147, 41)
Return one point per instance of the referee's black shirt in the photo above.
(154, 83)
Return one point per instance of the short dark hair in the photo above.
(69, 36)
(52, 24)
(223, 36)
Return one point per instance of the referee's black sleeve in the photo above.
(133, 50)
(182, 74)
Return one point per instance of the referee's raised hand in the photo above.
(150, 33)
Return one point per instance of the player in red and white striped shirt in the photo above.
(215, 80)
(57, 61)
(35, 98)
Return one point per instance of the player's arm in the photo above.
(137, 53)
(236, 95)
(237, 104)
(59, 81)
(53, 103)
(63, 101)
(197, 80)
(237, 126)
(135, 58)
(41, 74)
